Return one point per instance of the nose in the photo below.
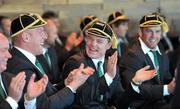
(153, 34)
(93, 43)
(44, 34)
(8, 55)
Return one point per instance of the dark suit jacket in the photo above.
(176, 98)
(6, 78)
(135, 59)
(52, 72)
(95, 91)
(52, 96)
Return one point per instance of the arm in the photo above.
(132, 63)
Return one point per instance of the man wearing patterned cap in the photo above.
(119, 23)
(103, 89)
(147, 51)
(28, 35)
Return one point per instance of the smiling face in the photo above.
(37, 36)
(96, 47)
(151, 36)
(4, 52)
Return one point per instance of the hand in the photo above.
(112, 63)
(16, 86)
(70, 41)
(78, 76)
(171, 86)
(144, 74)
(79, 39)
(34, 89)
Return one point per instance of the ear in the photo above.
(26, 37)
(109, 45)
(113, 26)
(140, 32)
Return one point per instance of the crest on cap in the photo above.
(115, 16)
(24, 22)
(87, 21)
(102, 29)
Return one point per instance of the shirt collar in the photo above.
(95, 61)
(146, 49)
(29, 55)
(44, 50)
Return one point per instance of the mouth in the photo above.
(93, 50)
(152, 40)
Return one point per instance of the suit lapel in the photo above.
(44, 63)
(17, 53)
(90, 63)
(147, 60)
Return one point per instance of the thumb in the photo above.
(45, 78)
(81, 67)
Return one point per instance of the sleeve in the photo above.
(12, 102)
(4, 104)
(31, 104)
(59, 100)
(129, 66)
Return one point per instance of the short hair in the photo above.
(119, 22)
(49, 14)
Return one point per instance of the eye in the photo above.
(100, 41)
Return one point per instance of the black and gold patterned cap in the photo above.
(115, 16)
(41, 22)
(87, 21)
(102, 29)
(24, 22)
(154, 19)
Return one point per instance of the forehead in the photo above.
(96, 37)
(36, 29)
(152, 28)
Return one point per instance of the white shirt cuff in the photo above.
(29, 104)
(108, 79)
(12, 102)
(165, 90)
(74, 91)
(135, 88)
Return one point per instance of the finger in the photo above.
(32, 78)
(45, 79)
(18, 78)
(152, 73)
(22, 85)
(73, 72)
(88, 71)
(115, 58)
(146, 68)
(156, 70)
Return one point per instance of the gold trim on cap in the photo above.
(123, 17)
(40, 18)
(150, 21)
(90, 23)
(105, 35)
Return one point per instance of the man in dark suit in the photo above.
(49, 59)
(147, 51)
(11, 87)
(103, 89)
(175, 104)
(119, 23)
(28, 36)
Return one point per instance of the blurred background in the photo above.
(70, 11)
